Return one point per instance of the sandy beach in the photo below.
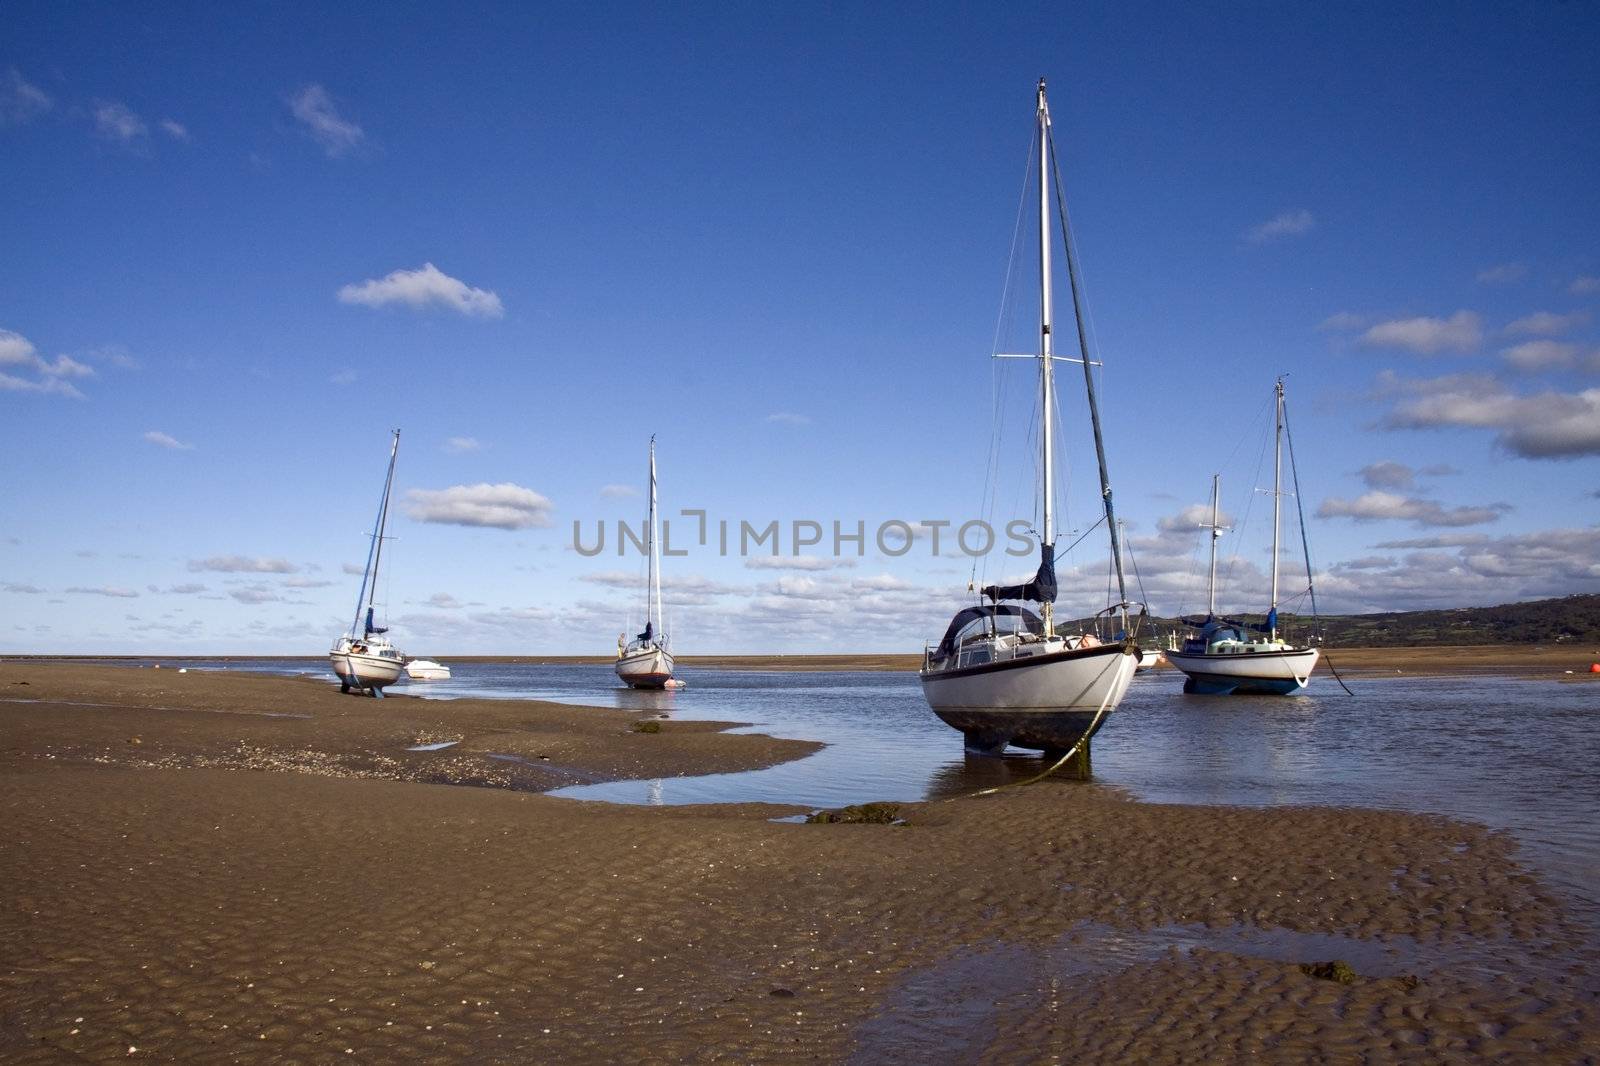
(223, 867)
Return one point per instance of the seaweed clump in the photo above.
(646, 726)
(1333, 970)
(859, 814)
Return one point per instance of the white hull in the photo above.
(1280, 671)
(651, 668)
(427, 670)
(1046, 701)
(1149, 659)
(362, 670)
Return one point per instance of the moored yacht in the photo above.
(1224, 655)
(1003, 673)
(364, 658)
(645, 662)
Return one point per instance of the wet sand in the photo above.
(194, 880)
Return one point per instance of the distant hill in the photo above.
(1569, 618)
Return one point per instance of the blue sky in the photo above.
(237, 249)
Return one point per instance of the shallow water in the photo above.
(1513, 754)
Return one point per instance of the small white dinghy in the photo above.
(427, 670)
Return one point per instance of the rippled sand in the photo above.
(191, 879)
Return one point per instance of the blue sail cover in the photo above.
(967, 615)
(1042, 589)
(374, 628)
(1197, 622)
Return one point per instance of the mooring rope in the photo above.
(1335, 674)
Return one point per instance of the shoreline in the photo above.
(321, 895)
(1513, 660)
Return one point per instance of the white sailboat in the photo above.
(1002, 674)
(645, 662)
(1226, 656)
(363, 658)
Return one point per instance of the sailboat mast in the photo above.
(1216, 534)
(1277, 503)
(1089, 390)
(369, 576)
(655, 566)
(1046, 355)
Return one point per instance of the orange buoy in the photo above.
(1594, 668)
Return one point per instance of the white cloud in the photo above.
(105, 590)
(1366, 562)
(1340, 321)
(503, 506)
(445, 601)
(796, 562)
(314, 108)
(27, 590)
(1503, 273)
(305, 583)
(155, 436)
(1388, 474)
(241, 564)
(618, 492)
(1540, 355)
(788, 418)
(351, 568)
(1546, 425)
(189, 589)
(1461, 332)
(421, 288)
(65, 367)
(1548, 323)
(1287, 224)
(1193, 517)
(343, 377)
(1584, 286)
(462, 445)
(11, 383)
(174, 129)
(255, 594)
(17, 351)
(115, 122)
(19, 101)
(1388, 506)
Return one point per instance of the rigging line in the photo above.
(1088, 368)
(996, 379)
(1236, 536)
(1305, 545)
(1300, 510)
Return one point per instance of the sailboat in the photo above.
(1002, 674)
(1226, 656)
(645, 662)
(363, 658)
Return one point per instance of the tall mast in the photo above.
(1046, 356)
(1216, 534)
(1088, 385)
(1277, 503)
(369, 576)
(655, 567)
